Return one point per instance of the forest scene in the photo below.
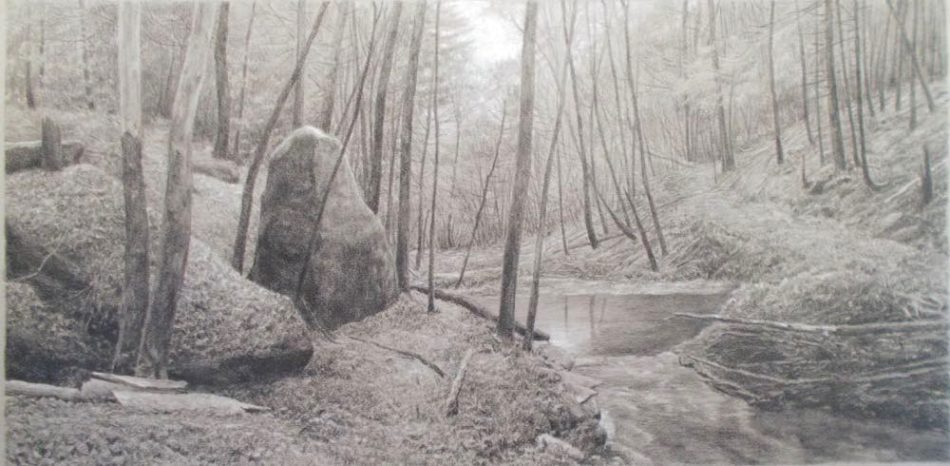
(476, 232)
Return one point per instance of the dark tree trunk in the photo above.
(135, 289)
(376, 157)
(834, 118)
(405, 156)
(435, 174)
(247, 196)
(222, 84)
(240, 116)
(804, 66)
(301, 56)
(84, 55)
(509, 271)
(325, 120)
(779, 153)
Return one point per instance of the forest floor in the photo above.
(360, 400)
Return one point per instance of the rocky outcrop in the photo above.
(65, 238)
(341, 272)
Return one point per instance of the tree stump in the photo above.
(52, 147)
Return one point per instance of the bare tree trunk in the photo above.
(84, 55)
(847, 87)
(247, 196)
(422, 184)
(301, 55)
(509, 271)
(684, 53)
(560, 204)
(135, 289)
(51, 146)
(405, 157)
(644, 177)
(804, 66)
(837, 141)
(30, 55)
(435, 174)
(376, 157)
(484, 196)
(176, 223)
(326, 112)
(779, 153)
(222, 84)
(821, 143)
(909, 49)
(585, 169)
(240, 116)
(860, 96)
(915, 4)
(728, 161)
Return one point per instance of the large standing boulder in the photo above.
(65, 235)
(349, 273)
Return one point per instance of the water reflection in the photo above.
(616, 324)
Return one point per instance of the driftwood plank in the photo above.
(178, 402)
(141, 382)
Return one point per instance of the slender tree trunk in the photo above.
(405, 157)
(847, 87)
(376, 157)
(222, 84)
(804, 67)
(509, 271)
(28, 78)
(897, 78)
(860, 96)
(728, 161)
(834, 118)
(821, 143)
(881, 68)
(84, 55)
(435, 173)
(241, 100)
(135, 289)
(420, 198)
(560, 204)
(909, 49)
(585, 169)
(779, 153)
(866, 61)
(684, 55)
(915, 4)
(176, 223)
(644, 177)
(247, 196)
(484, 196)
(301, 54)
(326, 112)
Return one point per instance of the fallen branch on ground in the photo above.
(408, 354)
(847, 329)
(40, 390)
(452, 404)
(480, 311)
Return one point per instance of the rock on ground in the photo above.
(226, 327)
(348, 270)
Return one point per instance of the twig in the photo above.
(452, 404)
(408, 354)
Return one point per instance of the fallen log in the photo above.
(846, 329)
(452, 404)
(29, 155)
(408, 354)
(479, 310)
(40, 390)
(176, 402)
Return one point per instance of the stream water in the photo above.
(657, 411)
